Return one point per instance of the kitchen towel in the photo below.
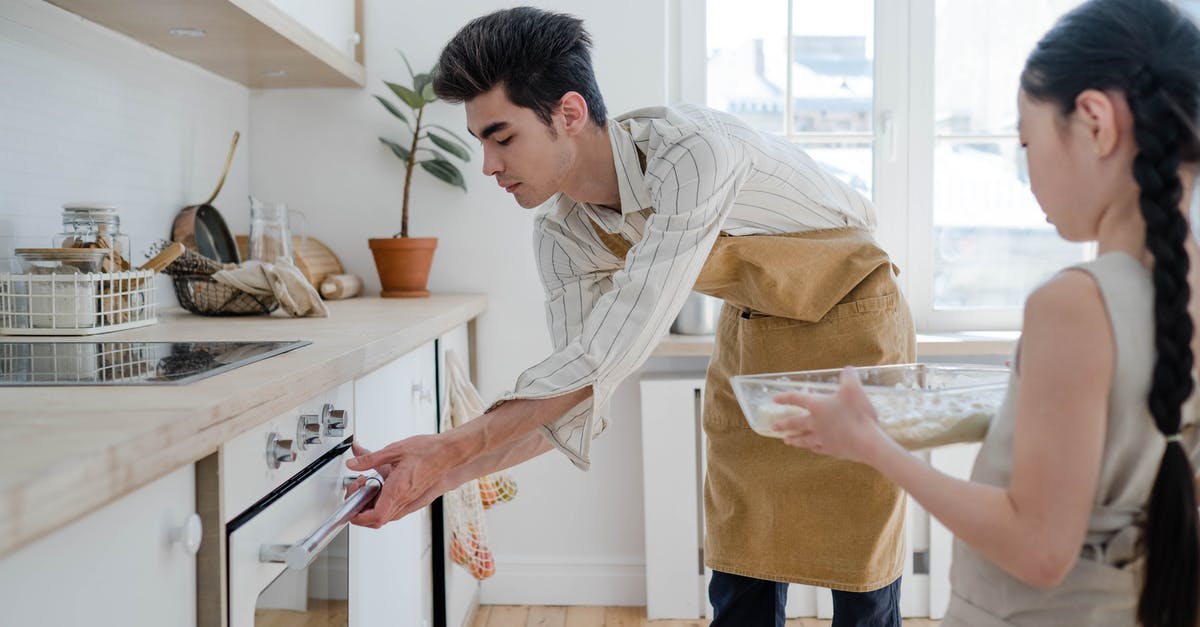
(283, 279)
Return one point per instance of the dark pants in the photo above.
(747, 602)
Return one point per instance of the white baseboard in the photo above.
(518, 582)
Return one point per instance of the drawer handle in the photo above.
(299, 555)
(189, 534)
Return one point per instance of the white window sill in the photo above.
(999, 343)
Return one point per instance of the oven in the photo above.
(287, 534)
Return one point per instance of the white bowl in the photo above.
(920, 405)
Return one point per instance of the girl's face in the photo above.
(1079, 165)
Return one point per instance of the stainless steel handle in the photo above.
(299, 555)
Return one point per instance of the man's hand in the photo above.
(417, 470)
(412, 470)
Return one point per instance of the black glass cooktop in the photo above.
(128, 363)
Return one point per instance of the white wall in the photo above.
(570, 537)
(88, 114)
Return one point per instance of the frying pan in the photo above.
(201, 228)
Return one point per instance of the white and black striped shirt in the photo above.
(705, 172)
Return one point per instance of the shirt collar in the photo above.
(631, 181)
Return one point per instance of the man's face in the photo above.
(529, 159)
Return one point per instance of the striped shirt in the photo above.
(706, 172)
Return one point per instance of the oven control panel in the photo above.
(263, 458)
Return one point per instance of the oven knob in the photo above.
(335, 421)
(308, 431)
(279, 451)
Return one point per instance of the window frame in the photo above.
(904, 139)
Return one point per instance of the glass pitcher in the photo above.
(271, 231)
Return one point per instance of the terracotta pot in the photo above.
(403, 264)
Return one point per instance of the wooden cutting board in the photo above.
(313, 258)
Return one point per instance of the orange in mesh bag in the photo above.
(464, 505)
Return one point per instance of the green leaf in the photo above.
(409, 96)
(400, 151)
(437, 156)
(445, 171)
(427, 93)
(395, 111)
(408, 65)
(451, 133)
(449, 147)
(420, 81)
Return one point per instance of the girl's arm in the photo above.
(1033, 528)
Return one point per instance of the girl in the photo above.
(1081, 509)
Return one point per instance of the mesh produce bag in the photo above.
(464, 505)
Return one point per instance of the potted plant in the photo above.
(403, 262)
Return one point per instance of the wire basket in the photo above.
(76, 304)
(204, 295)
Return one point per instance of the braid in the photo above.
(1171, 540)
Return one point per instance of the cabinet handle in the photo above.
(299, 555)
(422, 393)
(189, 534)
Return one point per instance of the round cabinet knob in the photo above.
(335, 420)
(308, 431)
(189, 534)
(279, 450)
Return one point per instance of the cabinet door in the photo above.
(462, 590)
(121, 565)
(387, 585)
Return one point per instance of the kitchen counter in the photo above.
(70, 450)
(989, 343)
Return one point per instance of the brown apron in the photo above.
(819, 299)
(802, 301)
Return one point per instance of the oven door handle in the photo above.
(299, 555)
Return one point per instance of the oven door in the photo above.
(289, 553)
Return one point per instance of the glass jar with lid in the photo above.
(95, 225)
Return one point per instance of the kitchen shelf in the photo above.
(247, 41)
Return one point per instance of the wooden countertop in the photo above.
(69, 450)
(992, 343)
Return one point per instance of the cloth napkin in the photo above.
(283, 279)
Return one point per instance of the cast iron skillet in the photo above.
(201, 228)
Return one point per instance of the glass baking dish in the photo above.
(919, 405)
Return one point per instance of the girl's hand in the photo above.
(842, 424)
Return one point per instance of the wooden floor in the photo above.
(321, 613)
(580, 616)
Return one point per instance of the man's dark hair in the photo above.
(536, 55)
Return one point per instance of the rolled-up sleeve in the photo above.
(606, 318)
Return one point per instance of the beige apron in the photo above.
(819, 299)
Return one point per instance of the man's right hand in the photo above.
(412, 470)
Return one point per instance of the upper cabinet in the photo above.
(259, 43)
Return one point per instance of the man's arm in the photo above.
(419, 469)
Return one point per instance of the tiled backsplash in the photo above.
(87, 114)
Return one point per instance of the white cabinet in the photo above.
(462, 590)
(124, 564)
(390, 579)
(391, 572)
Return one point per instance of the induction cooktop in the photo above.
(128, 363)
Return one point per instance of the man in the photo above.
(634, 213)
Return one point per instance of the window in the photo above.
(913, 103)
